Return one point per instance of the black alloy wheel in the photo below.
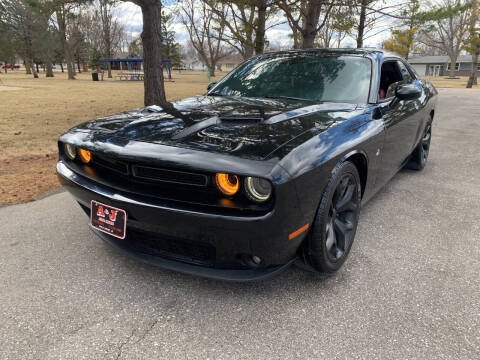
(333, 232)
(426, 143)
(341, 218)
(419, 157)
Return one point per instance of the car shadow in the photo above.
(145, 276)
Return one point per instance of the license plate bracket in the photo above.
(108, 219)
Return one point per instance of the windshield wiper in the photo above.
(289, 98)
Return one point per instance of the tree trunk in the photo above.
(78, 65)
(28, 70)
(35, 73)
(248, 53)
(36, 67)
(49, 68)
(472, 79)
(309, 31)
(61, 66)
(260, 30)
(152, 53)
(63, 41)
(474, 45)
(361, 23)
(453, 62)
(109, 69)
(70, 71)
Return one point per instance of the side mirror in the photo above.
(211, 85)
(408, 92)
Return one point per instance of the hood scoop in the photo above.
(237, 118)
(196, 128)
(153, 109)
(308, 110)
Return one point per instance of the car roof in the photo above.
(370, 52)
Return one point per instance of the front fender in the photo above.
(311, 164)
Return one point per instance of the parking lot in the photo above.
(410, 289)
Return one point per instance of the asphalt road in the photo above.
(410, 289)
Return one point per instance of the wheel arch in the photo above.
(360, 160)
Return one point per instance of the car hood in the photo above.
(245, 127)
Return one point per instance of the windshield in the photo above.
(310, 76)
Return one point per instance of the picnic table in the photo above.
(131, 76)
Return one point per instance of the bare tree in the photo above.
(373, 17)
(112, 30)
(205, 33)
(473, 43)
(46, 42)
(152, 50)
(23, 21)
(337, 27)
(403, 40)
(90, 25)
(7, 46)
(63, 13)
(245, 22)
(306, 19)
(447, 33)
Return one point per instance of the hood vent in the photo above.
(242, 118)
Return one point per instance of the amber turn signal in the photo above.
(298, 231)
(84, 155)
(228, 184)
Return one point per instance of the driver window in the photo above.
(390, 76)
(407, 77)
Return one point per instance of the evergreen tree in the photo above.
(402, 41)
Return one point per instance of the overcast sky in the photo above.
(131, 15)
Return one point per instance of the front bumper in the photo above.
(209, 245)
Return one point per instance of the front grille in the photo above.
(171, 248)
(162, 185)
(171, 176)
(151, 174)
(111, 164)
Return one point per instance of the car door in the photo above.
(421, 115)
(400, 119)
(416, 109)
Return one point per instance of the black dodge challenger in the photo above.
(269, 167)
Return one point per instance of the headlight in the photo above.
(228, 184)
(70, 150)
(84, 155)
(257, 189)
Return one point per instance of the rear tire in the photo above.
(419, 157)
(333, 231)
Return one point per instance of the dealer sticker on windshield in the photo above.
(108, 219)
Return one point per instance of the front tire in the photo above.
(331, 237)
(419, 157)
